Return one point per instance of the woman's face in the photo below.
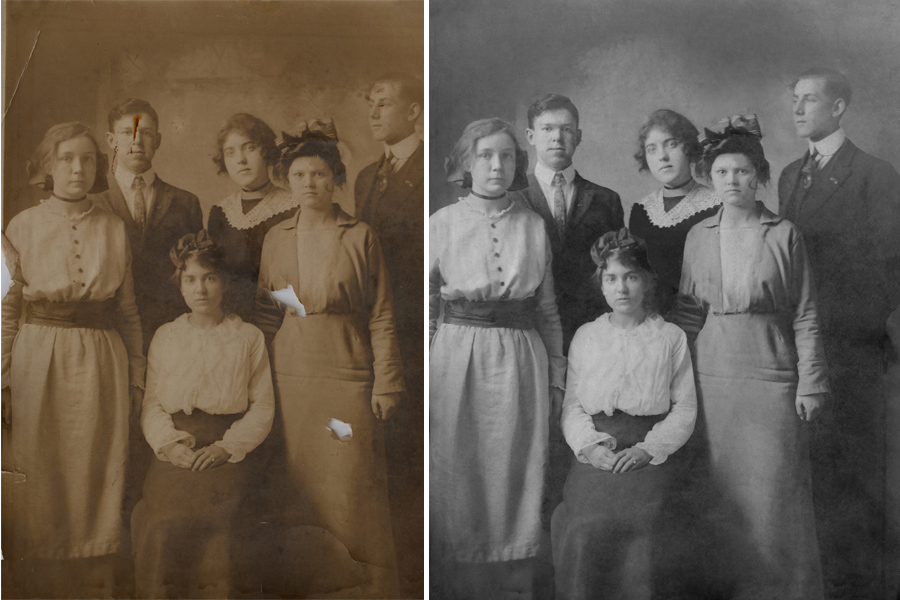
(666, 158)
(201, 287)
(74, 168)
(493, 164)
(623, 288)
(311, 182)
(734, 179)
(244, 161)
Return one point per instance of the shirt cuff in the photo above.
(236, 455)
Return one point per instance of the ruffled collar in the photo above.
(55, 211)
(231, 321)
(477, 205)
(645, 330)
(275, 202)
(695, 201)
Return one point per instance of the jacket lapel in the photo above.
(793, 176)
(829, 181)
(581, 202)
(161, 203)
(409, 177)
(538, 203)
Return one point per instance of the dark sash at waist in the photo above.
(627, 429)
(88, 314)
(205, 427)
(511, 314)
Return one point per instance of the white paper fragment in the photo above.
(340, 429)
(288, 297)
(6, 278)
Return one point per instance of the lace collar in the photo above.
(697, 200)
(275, 202)
(475, 205)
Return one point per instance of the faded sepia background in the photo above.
(619, 61)
(197, 63)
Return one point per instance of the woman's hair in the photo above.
(736, 143)
(44, 157)
(630, 251)
(256, 131)
(313, 144)
(678, 126)
(202, 247)
(457, 164)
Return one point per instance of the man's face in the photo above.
(815, 114)
(555, 136)
(390, 118)
(134, 140)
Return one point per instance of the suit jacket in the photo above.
(850, 218)
(174, 213)
(594, 211)
(397, 216)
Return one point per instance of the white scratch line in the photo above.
(22, 74)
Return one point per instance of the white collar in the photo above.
(126, 177)
(403, 149)
(697, 200)
(276, 201)
(545, 174)
(829, 145)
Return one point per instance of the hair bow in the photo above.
(191, 242)
(730, 126)
(612, 241)
(318, 129)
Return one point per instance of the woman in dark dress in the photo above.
(239, 223)
(667, 147)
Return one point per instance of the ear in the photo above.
(577, 137)
(158, 140)
(415, 109)
(529, 135)
(111, 140)
(838, 108)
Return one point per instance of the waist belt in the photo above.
(89, 315)
(511, 314)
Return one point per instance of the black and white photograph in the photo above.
(213, 332)
(664, 265)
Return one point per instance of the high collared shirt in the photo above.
(125, 179)
(828, 146)
(402, 150)
(545, 176)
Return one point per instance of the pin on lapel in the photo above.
(833, 180)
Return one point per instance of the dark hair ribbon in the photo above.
(189, 243)
(746, 125)
(317, 129)
(612, 241)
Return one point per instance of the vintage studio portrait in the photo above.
(664, 281)
(213, 327)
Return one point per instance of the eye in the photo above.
(650, 148)
(251, 147)
(672, 144)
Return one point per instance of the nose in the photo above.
(620, 286)
(496, 162)
(798, 107)
(241, 157)
(374, 113)
(664, 155)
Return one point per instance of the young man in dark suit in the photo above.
(847, 205)
(156, 214)
(390, 197)
(575, 211)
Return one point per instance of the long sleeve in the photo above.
(267, 316)
(689, 312)
(129, 327)
(157, 425)
(578, 426)
(550, 327)
(387, 364)
(249, 432)
(435, 281)
(811, 366)
(671, 433)
(12, 312)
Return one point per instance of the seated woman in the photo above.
(209, 403)
(630, 403)
(340, 361)
(747, 298)
(239, 223)
(668, 147)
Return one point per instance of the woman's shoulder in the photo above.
(168, 331)
(238, 326)
(591, 330)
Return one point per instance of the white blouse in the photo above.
(221, 371)
(643, 371)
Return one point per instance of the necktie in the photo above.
(140, 208)
(559, 203)
(384, 172)
(805, 182)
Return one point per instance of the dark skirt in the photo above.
(603, 531)
(181, 529)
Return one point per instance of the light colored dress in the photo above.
(328, 365)
(624, 388)
(489, 386)
(204, 386)
(757, 349)
(70, 402)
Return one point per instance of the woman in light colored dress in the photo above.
(68, 373)
(747, 297)
(209, 403)
(668, 147)
(630, 405)
(496, 360)
(239, 223)
(339, 361)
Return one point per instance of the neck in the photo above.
(251, 194)
(399, 139)
(822, 136)
(738, 216)
(557, 168)
(69, 206)
(315, 218)
(679, 189)
(486, 197)
(628, 320)
(207, 320)
(490, 205)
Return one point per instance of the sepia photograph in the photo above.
(213, 321)
(664, 300)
